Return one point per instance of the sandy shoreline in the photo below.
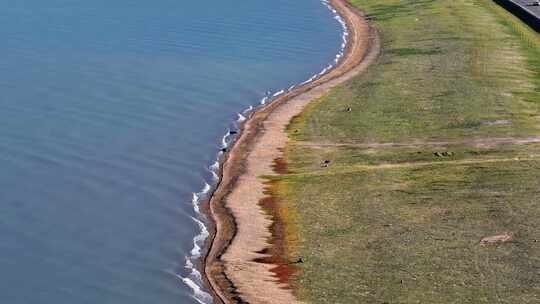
(239, 226)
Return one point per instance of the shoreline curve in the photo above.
(238, 225)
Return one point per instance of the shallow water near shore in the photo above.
(111, 113)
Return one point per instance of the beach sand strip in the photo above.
(240, 228)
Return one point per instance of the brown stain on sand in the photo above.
(278, 251)
(280, 166)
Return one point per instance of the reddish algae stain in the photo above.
(277, 250)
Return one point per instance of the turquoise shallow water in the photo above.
(110, 114)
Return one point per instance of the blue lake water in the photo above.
(110, 114)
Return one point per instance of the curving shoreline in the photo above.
(239, 230)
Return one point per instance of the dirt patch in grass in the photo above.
(474, 142)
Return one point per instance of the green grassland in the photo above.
(398, 213)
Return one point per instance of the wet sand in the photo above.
(240, 227)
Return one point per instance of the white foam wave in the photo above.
(240, 118)
(326, 69)
(196, 198)
(198, 294)
(338, 57)
(278, 93)
(344, 36)
(311, 78)
(206, 188)
(248, 110)
(264, 100)
(195, 274)
(198, 240)
(214, 167)
(224, 143)
(194, 279)
(195, 202)
(189, 264)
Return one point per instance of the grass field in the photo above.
(427, 163)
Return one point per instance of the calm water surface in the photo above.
(110, 114)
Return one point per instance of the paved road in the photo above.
(525, 10)
(527, 5)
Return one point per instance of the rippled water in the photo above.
(110, 114)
